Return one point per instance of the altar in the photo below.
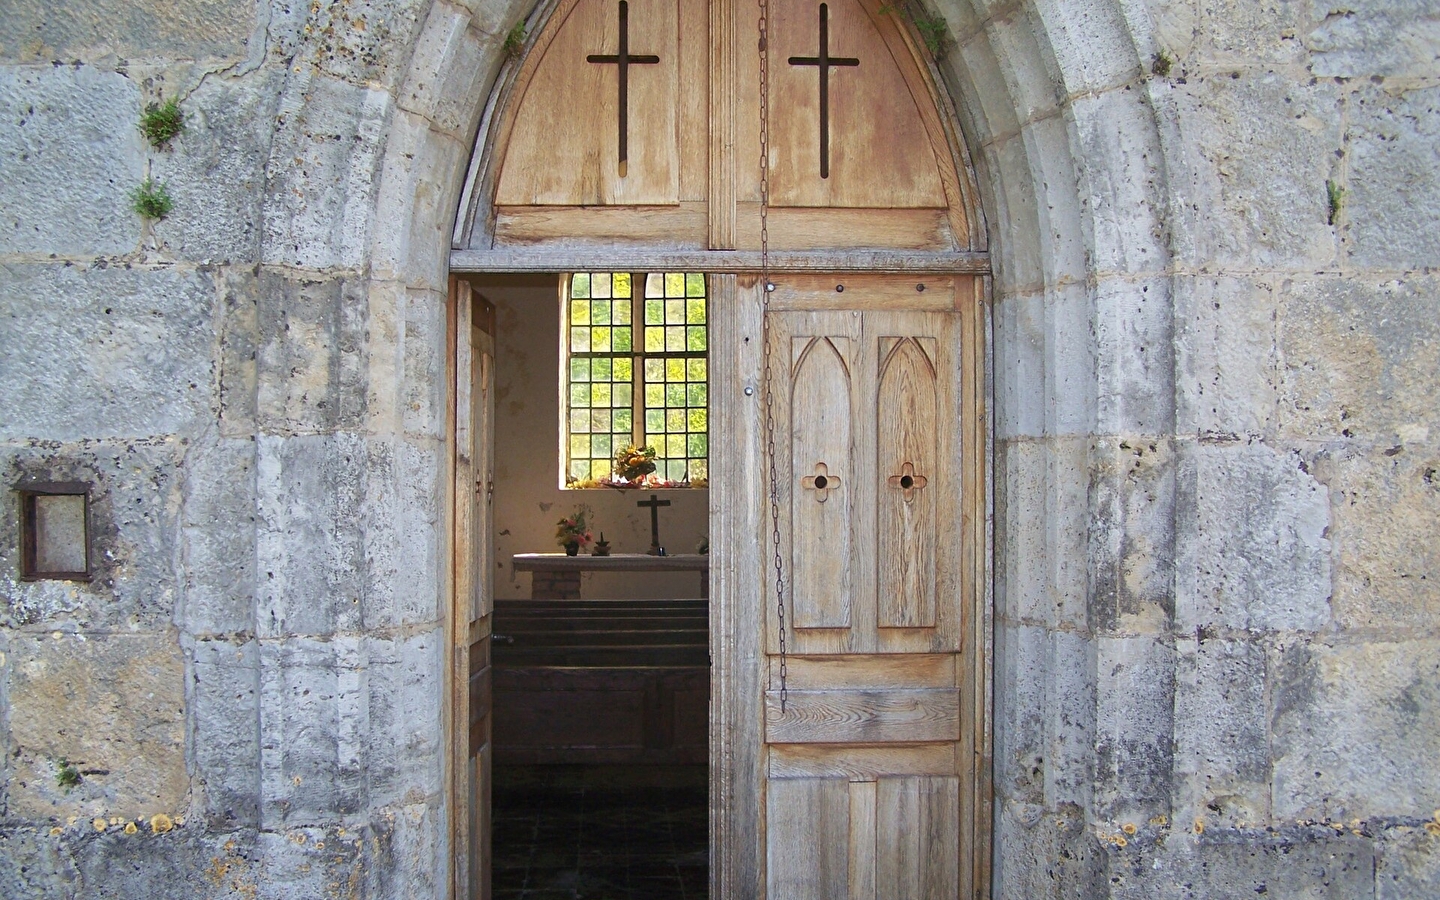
(556, 576)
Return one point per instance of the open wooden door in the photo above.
(474, 477)
(871, 755)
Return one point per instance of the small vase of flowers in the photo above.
(573, 532)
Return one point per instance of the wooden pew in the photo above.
(601, 681)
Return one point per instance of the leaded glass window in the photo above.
(637, 370)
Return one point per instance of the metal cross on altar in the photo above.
(623, 60)
(654, 505)
(824, 61)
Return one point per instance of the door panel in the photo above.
(865, 741)
(474, 474)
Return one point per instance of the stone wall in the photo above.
(1215, 463)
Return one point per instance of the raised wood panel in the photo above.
(680, 226)
(906, 523)
(810, 228)
(841, 291)
(880, 153)
(862, 762)
(821, 507)
(918, 837)
(862, 717)
(891, 670)
(807, 839)
(862, 868)
(564, 142)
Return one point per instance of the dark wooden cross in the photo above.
(624, 61)
(654, 505)
(824, 62)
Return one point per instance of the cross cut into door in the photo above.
(907, 481)
(822, 482)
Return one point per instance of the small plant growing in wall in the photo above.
(933, 30)
(161, 122)
(514, 41)
(67, 776)
(150, 200)
(1335, 198)
(1161, 64)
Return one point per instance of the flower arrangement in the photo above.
(573, 529)
(633, 463)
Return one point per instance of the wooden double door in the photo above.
(871, 763)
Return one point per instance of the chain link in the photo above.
(766, 287)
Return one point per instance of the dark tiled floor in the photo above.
(600, 833)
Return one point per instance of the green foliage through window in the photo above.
(638, 374)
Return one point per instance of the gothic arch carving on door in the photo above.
(627, 134)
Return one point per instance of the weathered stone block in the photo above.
(1355, 38)
(1134, 357)
(113, 706)
(321, 177)
(1121, 181)
(1042, 510)
(1018, 259)
(71, 152)
(215, 171)
(1021, 407)
(1045, 855)
(1092, 44)
(310, 359)
(1261, 172)
(450, 72)
(403, 747)
(1386, 512)
(126, 352)
(1407, 864)
(1063, 244)
(1020, 664)
(1243, 32)
(225, 717)
(1355, 730)
(981, 103)
(421, 173)
(1134, 743)
(1222, 748)
(1229, 865)
(1227, 356)
(1360, 358)
(1392, 190)
(218, 531)
(364, 42)
(1131, 537)
(134, 531)
(1261, 557)
(41, 30)
(381, 571)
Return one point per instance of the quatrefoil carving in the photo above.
(822, 482)
(907, 481)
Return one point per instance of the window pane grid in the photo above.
(655, 394)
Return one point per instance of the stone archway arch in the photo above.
(1067, 134)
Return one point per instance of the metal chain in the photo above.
(766, 288)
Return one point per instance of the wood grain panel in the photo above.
(875, 125)
(862, 717)
(857, 672)
(807, 839)
(934, 293)
(679, 226)
(906, 454)
(563, 146)
(917, 837)
(811, 228)
(862, 840)
(821, 511)
(863, 762)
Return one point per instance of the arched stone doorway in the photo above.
(848, 722)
